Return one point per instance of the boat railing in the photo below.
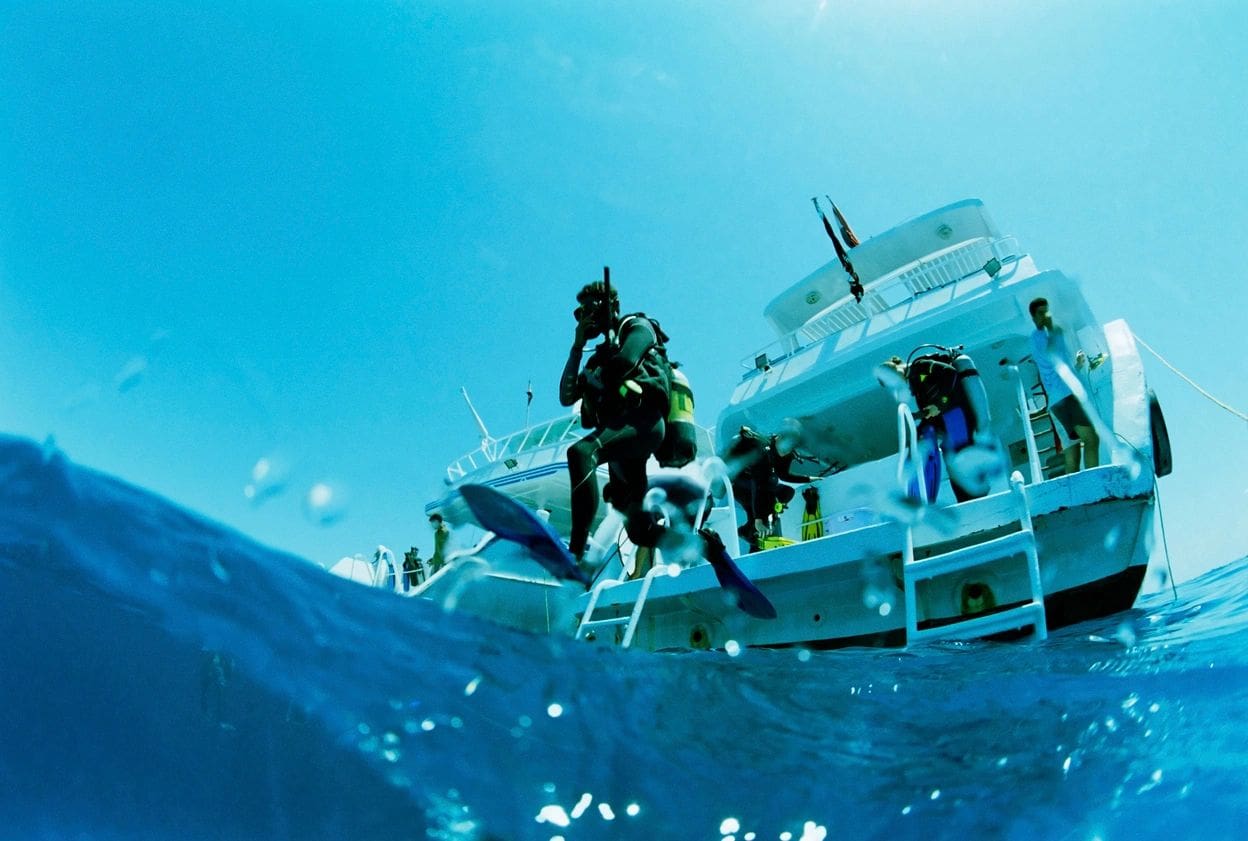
(551, 433)
(898, 289)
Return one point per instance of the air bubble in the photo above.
(324, 504)
(131, 374)
(267, 480)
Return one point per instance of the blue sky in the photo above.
(294, 231)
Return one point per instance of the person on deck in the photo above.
(760, 465)
(1049, 346)
(441, 541)
(624, 389)
(413, 569)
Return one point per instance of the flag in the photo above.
(529, 393)
(847, 233)
(855, 285)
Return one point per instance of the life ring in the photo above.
(1162, 462)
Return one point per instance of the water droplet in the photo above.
(975, 467)
(472, 686)
(604, 809)
(803, 655)
(324, 504)
(524, 721)
(268, 479)
(427, 725)
(1125, 634)
(905, 810)
(935, 795)
(729, 825)
(581, 805)
(218, 569)
(812, 831)
(131, 374)
(732, 648)
(554, 710)
(632, 810)
(553, 814)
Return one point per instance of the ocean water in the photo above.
(162, 677)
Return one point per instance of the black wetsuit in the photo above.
(757, 483)
(627, 429)
(952, 430)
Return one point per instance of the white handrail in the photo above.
(1029, 434)
(907, 431)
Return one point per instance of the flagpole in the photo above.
(855, 285)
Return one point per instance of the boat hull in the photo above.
(1093, 536)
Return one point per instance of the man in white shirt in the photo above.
(1050, 345)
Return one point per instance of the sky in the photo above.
(238, 234)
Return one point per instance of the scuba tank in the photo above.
(680, 441)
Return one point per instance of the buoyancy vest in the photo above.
(610, 387)
(933, 378)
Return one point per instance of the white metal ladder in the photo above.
(713, 469)
(587, 620)
(1022, 542)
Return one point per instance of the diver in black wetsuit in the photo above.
(760, 464)
(624, 389)
(953, 412)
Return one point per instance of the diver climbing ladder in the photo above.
(1020, 544)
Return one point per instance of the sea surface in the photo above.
(162, 677)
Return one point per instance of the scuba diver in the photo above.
(760, 465)
(625, 393)
(953, 416)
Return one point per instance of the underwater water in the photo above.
(164, 677)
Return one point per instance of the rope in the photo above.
(1236, 412)
(1164, 542)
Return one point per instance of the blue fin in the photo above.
(749, 598)
(513, 521)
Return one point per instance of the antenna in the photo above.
(608, 320)
(487, 440)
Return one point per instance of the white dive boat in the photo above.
(1040, 550)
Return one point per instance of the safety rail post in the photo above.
(1029, 434)
(908, 439)
(908, 432)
